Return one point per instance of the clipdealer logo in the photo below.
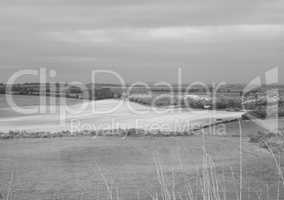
(269, 102)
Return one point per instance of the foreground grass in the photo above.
(131, 168)
(201, 167)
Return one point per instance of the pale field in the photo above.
(112, 114)
(27, 101)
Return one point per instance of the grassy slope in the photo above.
(69, 167)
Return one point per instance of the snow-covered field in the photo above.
(113, 114)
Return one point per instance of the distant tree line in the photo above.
(60, 90)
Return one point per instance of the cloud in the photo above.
(136, 34)
(184, 33)
(59, 15)
(82, 36)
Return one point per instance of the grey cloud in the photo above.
(133, 35)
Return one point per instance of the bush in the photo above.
(268, 140)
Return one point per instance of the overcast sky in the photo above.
(143, 40)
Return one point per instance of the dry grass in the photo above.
(167, 168)
(128, 168)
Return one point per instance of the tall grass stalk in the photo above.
(10, 187)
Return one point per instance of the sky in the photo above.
(143, 40)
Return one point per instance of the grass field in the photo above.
(115, 168)
(28, 101)
(128, 168)
(113, 113)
